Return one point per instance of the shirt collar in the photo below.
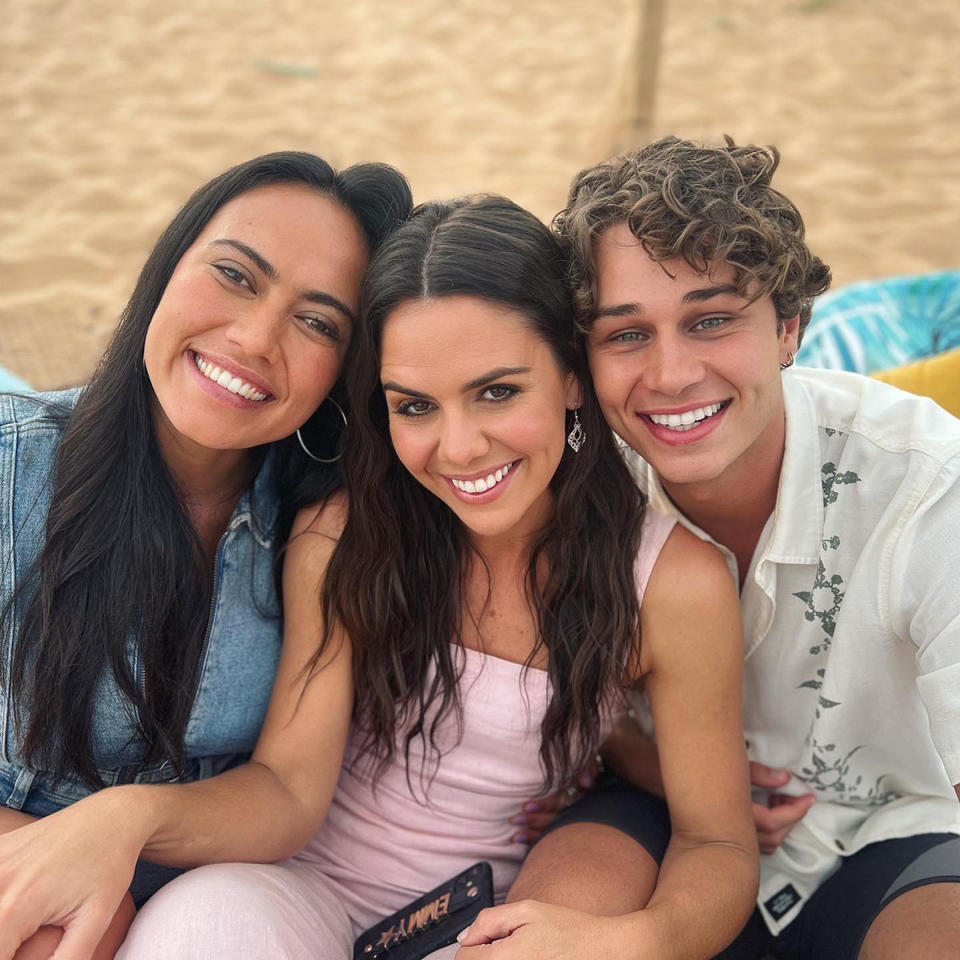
(258, 507)
(798, 514)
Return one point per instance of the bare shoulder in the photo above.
(316, 530)
(691, 600)
(688, 570)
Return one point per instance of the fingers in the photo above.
(773, 824)
(81, 936)
(538, 814)
(15, 929)
(767, 777)
(532, 825)
(785, 813)
(9, 943)
(495, 923)
(552, 804)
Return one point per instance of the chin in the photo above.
(679, 473)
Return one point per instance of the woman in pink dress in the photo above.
(489, 587)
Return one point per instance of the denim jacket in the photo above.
(242, 645)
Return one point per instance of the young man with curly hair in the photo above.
(835, 500)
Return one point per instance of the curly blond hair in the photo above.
(704, 204)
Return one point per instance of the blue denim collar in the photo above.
(259, 506)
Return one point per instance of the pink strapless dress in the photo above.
(379, 848)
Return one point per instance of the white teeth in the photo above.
(481, 484)
(684, 421)
(227, 380)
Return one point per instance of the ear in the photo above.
(789, 330)
(574, 392)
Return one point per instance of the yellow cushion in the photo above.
(937, 377)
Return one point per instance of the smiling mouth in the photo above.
(681, 422)
(228, 381)
(482, 484)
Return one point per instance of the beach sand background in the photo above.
(112, 113)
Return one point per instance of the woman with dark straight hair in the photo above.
(490, 571)
(140, 519)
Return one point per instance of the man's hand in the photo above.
(528, 930)
(776, 819)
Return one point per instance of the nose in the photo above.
(257, 329)
(671, 365)
(462, 442)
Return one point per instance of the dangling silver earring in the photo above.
(788, 362)
(307, 451)
(577, 434)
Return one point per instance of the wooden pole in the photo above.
(642, 71)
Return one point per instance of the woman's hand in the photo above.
(528, 930)
(70, 870)
(538, 814)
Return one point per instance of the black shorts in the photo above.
(834, 921)
(616, 804)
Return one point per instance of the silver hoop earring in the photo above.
(788, 362)
(577, 434)
(307, 450)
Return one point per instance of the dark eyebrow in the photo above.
(472, 385)
(620, 310)
(266, 267)
(691, 296)
(708, 293)
(328, 300)
(397, 388)
(493, 375)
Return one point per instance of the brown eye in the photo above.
(413, 408)
(498, 393)
(319, 324)
(234, 275)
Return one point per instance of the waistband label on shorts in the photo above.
(782, 902)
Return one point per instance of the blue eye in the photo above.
(627, 336)
(710, 323)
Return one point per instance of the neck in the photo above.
(511, 549)
(734, 507)
(204, 477)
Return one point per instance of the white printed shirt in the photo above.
(851, 612)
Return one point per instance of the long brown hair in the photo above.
(395, 581)
(121, 559)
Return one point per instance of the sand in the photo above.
(113, 112)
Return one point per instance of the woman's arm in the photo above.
(692, 661)
(691, 665)
(72, 868)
